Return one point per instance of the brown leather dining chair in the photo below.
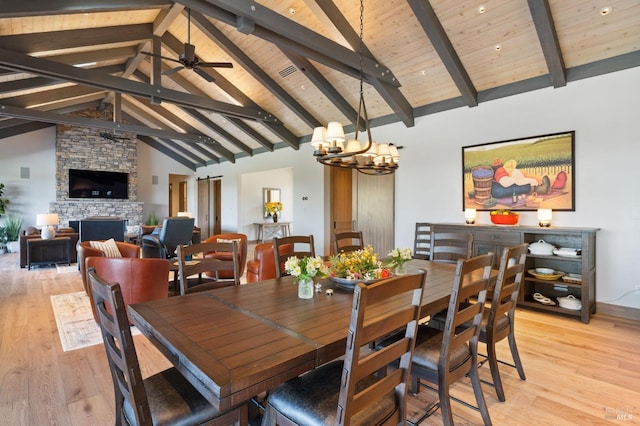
(195, 259)
(346, 242)
(163, 398)
(445, 357)
(295, 245)
(328, 395)
(498, 322)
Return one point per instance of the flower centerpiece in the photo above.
(273, 208)
(398, 259)
(357, 266)
(304, 271)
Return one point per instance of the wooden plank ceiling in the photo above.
(296, 63)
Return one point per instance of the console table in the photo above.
(268, 230)
(493, 238)
(47, 252)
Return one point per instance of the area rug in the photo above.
(76, 327)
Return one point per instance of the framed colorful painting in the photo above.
(520, 174)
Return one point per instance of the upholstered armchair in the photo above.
(85, 250)
(242, 252)
(175, 231)
(263, 265)
(141, 280)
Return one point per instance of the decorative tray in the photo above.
(567, 252)
(347, 284)
(572, 278)
(550, 277)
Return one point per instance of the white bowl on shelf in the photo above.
(545, 271)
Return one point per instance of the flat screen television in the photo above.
(98, 184)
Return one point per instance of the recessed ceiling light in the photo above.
(292, 11)
(606, 10)
(482, 9)
(423, 72)
(498, 47)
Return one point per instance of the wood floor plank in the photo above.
(576, 373)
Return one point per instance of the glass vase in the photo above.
(305, 289)
(400, 269)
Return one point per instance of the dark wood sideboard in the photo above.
(493, 238)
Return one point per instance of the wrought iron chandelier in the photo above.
(329, 143)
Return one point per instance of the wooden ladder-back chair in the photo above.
(347, 242)
(498, 321)
(328, 395)
(422, 241)
(195, 259)
(444, 357)
(164, 398)
(286, 247)
(448, 247)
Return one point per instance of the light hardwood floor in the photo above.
(576, 373)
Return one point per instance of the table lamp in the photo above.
(47, 221)
(544, 217)
(470, 216)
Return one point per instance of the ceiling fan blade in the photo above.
(216, 64)
(204, 75)
(173, 70)
(162, 57)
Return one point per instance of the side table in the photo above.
(47, 252)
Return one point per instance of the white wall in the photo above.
(602, 110)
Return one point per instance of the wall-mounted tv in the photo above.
(98, 184)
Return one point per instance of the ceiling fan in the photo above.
(188, 58)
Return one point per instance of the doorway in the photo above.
(209, 206)
(177, 194)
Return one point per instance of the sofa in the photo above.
(31, 233)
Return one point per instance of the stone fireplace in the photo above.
(84, 148)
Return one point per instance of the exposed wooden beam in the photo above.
(24, 127)
(50, 117)
(433, 29)
(31, 83)
(252, 68)
(38, 99)
(543, 21)
(15, 8)
(166, 151)
(277, 24)
(19, 61)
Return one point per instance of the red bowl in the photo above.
(505, 219)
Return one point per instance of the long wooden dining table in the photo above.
(233, 343)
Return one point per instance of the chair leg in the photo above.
(477, 390)
(495, 372)
(445, 403)
(516, 355)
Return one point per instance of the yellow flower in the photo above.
(273, 207)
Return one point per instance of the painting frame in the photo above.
(522, 174)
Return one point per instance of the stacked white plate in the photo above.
(567, 252)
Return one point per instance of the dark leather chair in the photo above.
(85, 250)
(175, 231)
(444, 357)
(163, 398)
(241, 239)
(498, 322)
(296, 245)
(141, 280)
(346, 242)
(328, 395)
(194, 259)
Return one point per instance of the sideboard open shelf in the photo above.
(492, 238)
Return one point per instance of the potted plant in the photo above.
(3, 240)
(3, 201)
(13, 225)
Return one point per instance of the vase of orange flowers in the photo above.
(273, 208)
